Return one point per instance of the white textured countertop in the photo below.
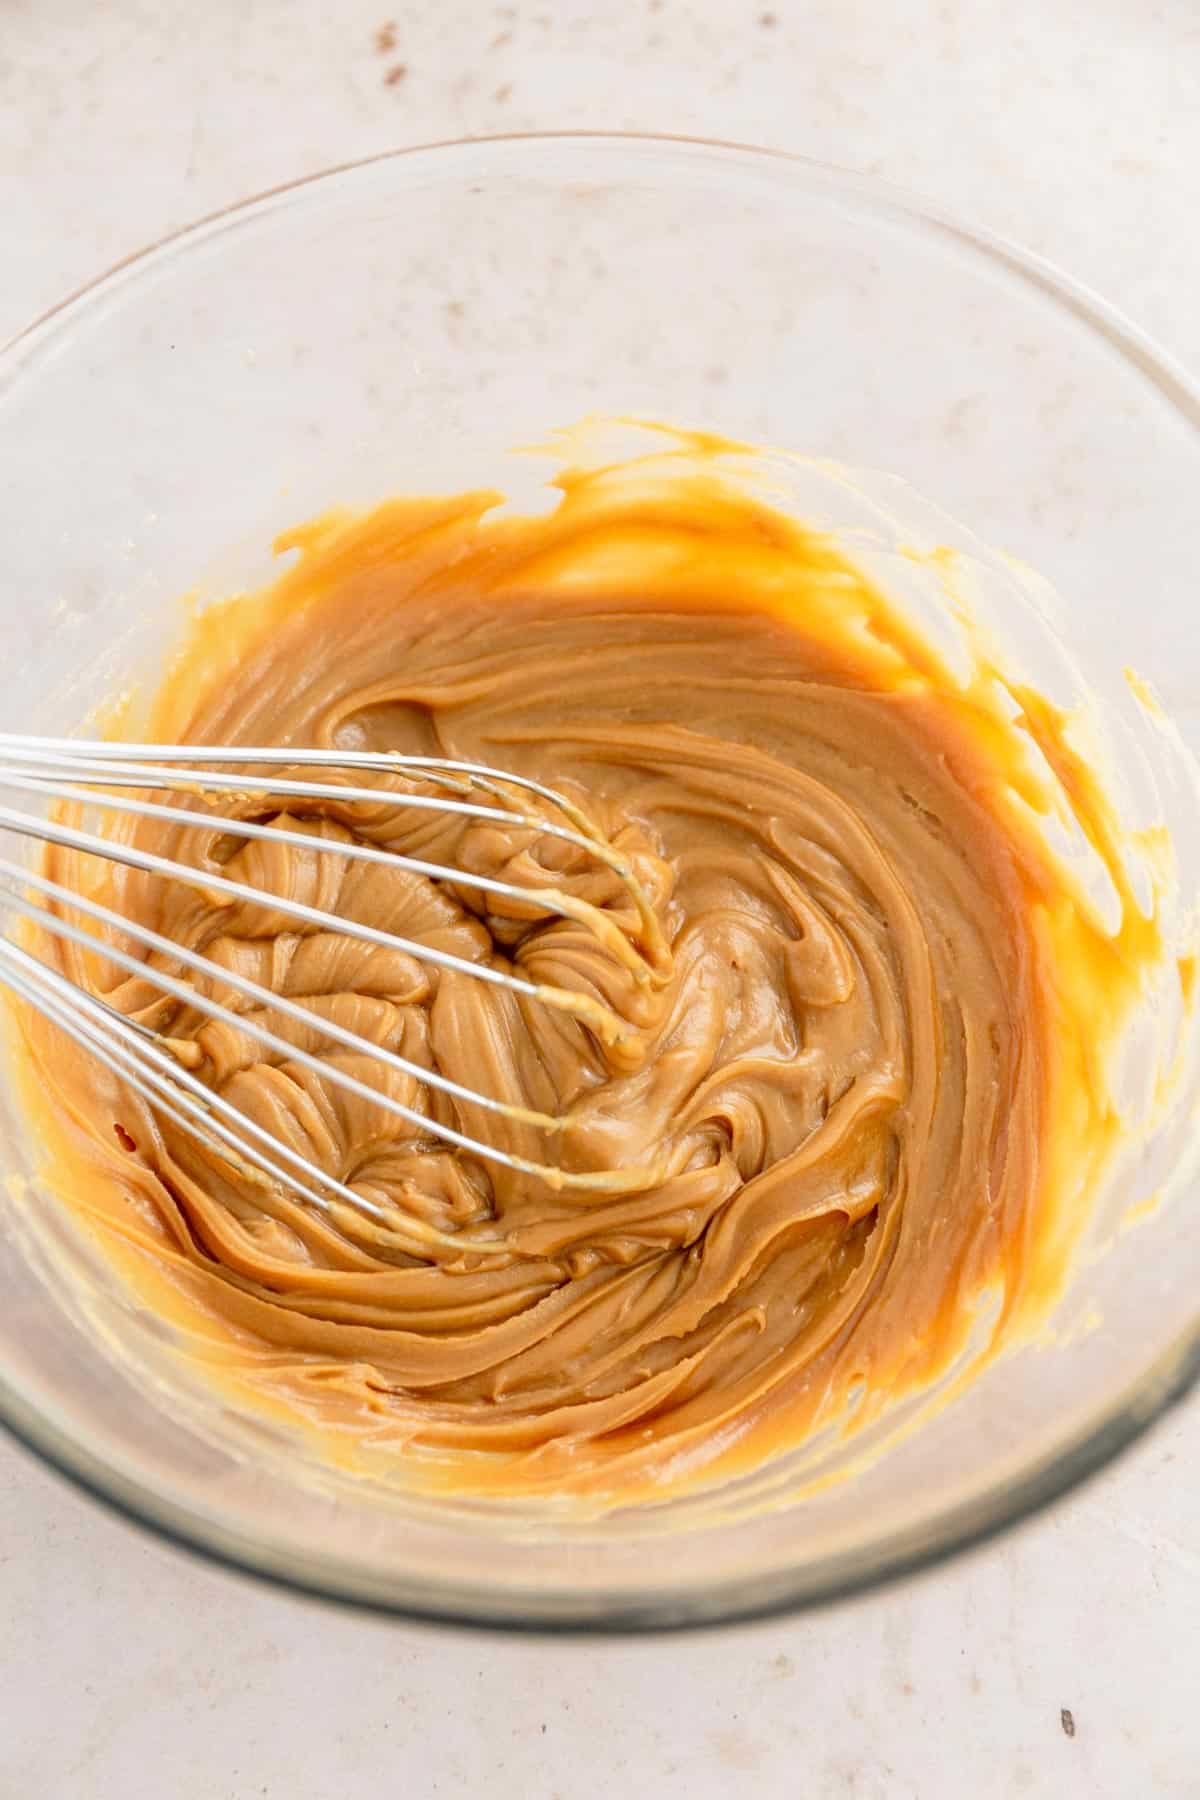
(1060, 1661)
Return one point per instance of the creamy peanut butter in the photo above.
(857, 1075)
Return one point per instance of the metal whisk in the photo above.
(83, 772)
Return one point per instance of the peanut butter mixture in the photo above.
(847, 1097)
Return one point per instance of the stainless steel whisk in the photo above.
(85, 772)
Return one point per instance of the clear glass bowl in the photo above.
(391, 326)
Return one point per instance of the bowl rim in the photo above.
(779, 1590)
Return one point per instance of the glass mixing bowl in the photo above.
(389, 326)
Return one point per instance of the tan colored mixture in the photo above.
(846, 1081)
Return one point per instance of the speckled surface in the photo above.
(127, 1670)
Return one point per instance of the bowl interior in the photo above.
(403, 324)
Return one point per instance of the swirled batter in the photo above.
(842, 1083)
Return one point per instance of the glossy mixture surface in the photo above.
(844, 1077)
